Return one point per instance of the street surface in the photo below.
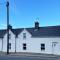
(7, 57)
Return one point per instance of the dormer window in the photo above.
(24, 35)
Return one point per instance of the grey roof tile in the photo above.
(17, 31)
(2, 33)
(50, 31)
(45, 31)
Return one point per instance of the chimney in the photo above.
(36, 25)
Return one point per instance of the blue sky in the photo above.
(23, 13)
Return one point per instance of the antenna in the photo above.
(37, 19)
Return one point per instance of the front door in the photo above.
(55, 48)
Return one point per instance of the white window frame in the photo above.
(24, 35)
(24, 46)
(42, 46)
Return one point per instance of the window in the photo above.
(9, 45)
(24, 46)
(42, 46)
(24, 35)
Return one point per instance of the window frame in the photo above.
(24, 46)
(42, 47)
(24, 35)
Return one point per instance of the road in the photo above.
(27, 58)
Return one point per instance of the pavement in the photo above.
(28, 56)
(8, 57)
(35, 55)
(31, 55)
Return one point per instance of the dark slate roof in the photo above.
(17, 31)
(50, 31)
(2, 33)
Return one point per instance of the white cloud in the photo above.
(3, 26)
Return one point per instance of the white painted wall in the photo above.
(0, 44)
(20, 40)
(12, 41)
(5, 43)
(34, 44)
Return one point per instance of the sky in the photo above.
(24, 13)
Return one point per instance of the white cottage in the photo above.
(32, 40)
